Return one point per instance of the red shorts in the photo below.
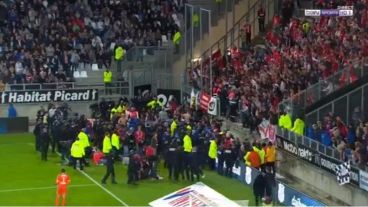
(61, 190)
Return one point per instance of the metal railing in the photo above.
(308, 142)
(138, 57)
(231, 38)
(351, 107)
(314, 93)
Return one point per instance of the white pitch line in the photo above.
(41, 188)
(103, 188)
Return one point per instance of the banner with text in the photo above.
(40, 96)
(320, 160)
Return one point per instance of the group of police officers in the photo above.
(186, 146)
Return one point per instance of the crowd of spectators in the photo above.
(351, 140)
(251, 81)
(43, 41)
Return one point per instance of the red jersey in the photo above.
(139, 137)
(133, 114)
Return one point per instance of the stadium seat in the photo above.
(83, 74)
(95, 67)
(164, 40)
(76, 74)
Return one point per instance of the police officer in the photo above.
(171, 158)
(84, 140)
(212, 154)
(188, 157)
(107, 78)
(45, 141)
(115, 143)
(77, 153)
(37, 133)
(109, 169)
(106, 145)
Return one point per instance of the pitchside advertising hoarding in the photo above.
(285, 195)
(325, 162)
(41, 96)
(196, 195)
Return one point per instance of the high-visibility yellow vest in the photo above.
(287, 122)
(77, 149)
(121, 109)
(281, 121)
(261, 154)
(177, 38)
(195, 20)
(106, 145)
(119, 53)
(107, 77)
(115, 141)
(271, 154)
(152, 104)
(84, 140)
(247, 162)
(298, 127)
(113, 112)
(187, 144)
(212, 152)
(173, 127)
(306, 27)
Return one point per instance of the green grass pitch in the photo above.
(28, 181)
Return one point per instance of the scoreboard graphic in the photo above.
(342, 11)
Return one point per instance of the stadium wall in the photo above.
(321, 180)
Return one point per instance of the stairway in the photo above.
(217, 32)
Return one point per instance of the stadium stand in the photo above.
(255, 79)
(46, 41)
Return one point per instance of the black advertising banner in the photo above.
(138, 90)
(39, 96)
(299, 150)
(308, 154)
(329, 163)
(163, 95)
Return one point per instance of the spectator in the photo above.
(2, 86)
(12, 112)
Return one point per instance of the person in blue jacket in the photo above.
(12, 112)
(351, 135)
(311, 133)
(326, 138)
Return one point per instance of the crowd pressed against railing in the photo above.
(45, 41)
(251, 81)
